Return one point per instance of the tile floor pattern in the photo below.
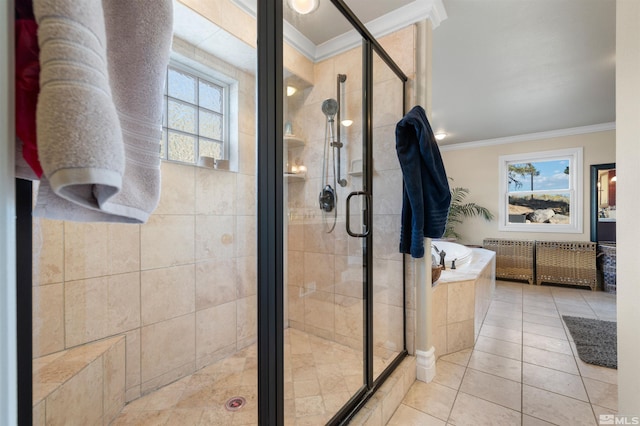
(523, 369)
(320, 377)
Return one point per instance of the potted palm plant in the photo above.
(460, 210)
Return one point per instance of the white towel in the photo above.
(23, 169)
(100, 107)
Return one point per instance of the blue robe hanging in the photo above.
(427, 197)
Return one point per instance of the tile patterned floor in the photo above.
(524, 368)
(320, 377)
(522, 371)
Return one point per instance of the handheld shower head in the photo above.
(330, 108)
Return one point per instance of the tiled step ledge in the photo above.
(83, 385)
(379, 409)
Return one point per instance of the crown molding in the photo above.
(531, 137)
(413, 12)
(249, 6)
(299, 42)
(336, 45)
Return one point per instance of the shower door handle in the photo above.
(365, 211)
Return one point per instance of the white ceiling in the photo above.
(501, 68)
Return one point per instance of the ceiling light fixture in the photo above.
(346, 122)
(304, 7)
(440, 135)
(291, 90)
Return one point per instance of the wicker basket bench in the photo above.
(607, 264)
(566, 262)
(514, 258)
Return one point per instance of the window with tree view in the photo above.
(194, 117)
(541, 192)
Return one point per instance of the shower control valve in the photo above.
(327, 199)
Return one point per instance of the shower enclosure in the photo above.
(344, 277)
(243, 299)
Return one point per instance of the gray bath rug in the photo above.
(596, 340)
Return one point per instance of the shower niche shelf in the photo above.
(293, 141)
(295, 176)
(356, 168)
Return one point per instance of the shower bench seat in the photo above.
(82, 385)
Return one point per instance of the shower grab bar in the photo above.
(337, 144)
(367, 203)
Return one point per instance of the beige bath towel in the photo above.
(23, 169)
(100, 107)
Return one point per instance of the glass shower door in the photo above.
(388, 302)
(344, 280)
(324, 334)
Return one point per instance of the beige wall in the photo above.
(477, 169)
(628, 159)
(182, 287)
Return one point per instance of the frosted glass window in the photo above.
(182, 117)
(209, 148)
(164, 111)
(194, 120)
(163, 144)
(210, 124)
(182, 85)
(211, 96)
(182, 147)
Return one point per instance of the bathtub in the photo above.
(454, 251)
(461, 298)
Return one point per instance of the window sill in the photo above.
(541, 227)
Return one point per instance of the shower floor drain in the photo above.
(235, 403)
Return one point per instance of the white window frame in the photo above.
(576, 212)
(207, 75)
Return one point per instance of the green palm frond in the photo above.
(458, 211)
(458, 195)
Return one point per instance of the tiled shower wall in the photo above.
(324, 269)
(181, 288)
